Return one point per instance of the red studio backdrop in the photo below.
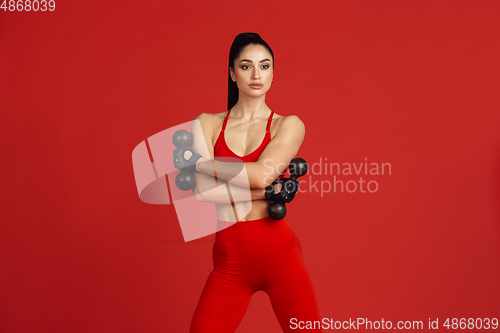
(409, 87)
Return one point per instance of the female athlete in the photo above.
(257, 252)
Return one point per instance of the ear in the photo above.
(232, 74)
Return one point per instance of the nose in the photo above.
(255, 73)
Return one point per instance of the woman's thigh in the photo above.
(291, 291)
(221, 307)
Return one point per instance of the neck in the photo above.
(250, 107)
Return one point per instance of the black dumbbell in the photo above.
(184, 180)
(182, 139)
(298, 168)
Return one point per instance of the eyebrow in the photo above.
(247, 60)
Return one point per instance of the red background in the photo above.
(410, 83)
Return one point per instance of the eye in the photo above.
(245, 67)
(265, 66)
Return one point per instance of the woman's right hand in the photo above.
(183, 161)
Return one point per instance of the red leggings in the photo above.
(249, 256)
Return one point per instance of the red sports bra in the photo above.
(222, 150)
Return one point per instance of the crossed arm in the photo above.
(272, 162)
(215, 190)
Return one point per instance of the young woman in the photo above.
(257, 252)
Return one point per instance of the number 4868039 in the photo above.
(28, 5)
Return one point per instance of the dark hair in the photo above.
(239, 43)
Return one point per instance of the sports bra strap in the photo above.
(268, 128)
(225, 120)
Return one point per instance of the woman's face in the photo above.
(253, 70)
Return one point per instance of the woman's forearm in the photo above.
(210, 189)
(252, 178)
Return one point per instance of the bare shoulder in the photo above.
(208, 120)
(291, 122)
(206, 117)
(202, 117)
(211, 123)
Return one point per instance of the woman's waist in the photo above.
(243, 210)
(251, 229)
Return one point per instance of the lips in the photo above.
(256, 85)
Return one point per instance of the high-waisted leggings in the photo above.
(249, 256)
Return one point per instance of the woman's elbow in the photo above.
(261, 183)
